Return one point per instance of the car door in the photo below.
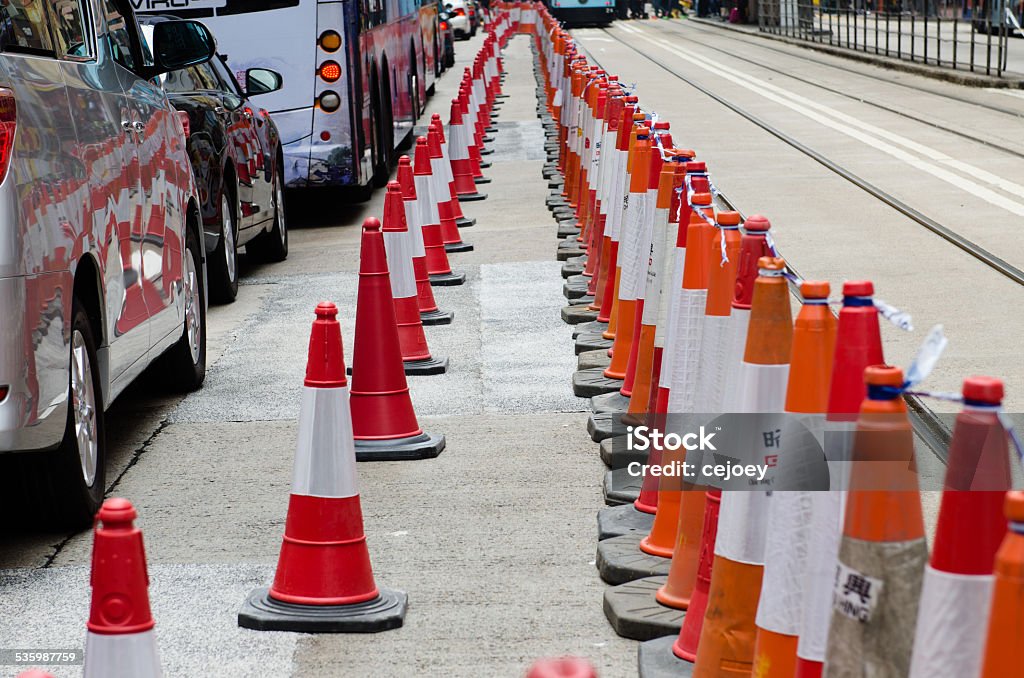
(161, 239)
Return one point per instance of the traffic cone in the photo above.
(709, 394)
(958, 580)
(416, 358)
(438, 268)
(1006, 622)
(384, 423)
(781, 607)
(462, 168)
(461, 220)
(882, 552)
(566, 667)
(35, 673)
(324, 582)
(120, 642)
(430, 314)
(449, 230)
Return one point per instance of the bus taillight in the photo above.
(330, 41)
(329, 71)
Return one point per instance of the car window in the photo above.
(119, 34)
(227, 78)
(24, 27)
(68, 19)
(192, 79)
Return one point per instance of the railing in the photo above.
(923, 31)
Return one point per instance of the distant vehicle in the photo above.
(101, 272)
(238, 162)
(447, 38)
(459, 16)
(431, 56)
(582, 12)
(354, 80)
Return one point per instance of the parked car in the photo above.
(101, 270)
(236, 155)
(459, 16)
(447, 35)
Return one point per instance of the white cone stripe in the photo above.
(325, 457)
(631, 246)
(660, 255)
(606, 172)
(761, 388)
(685, 347)
(412, 218)
(709, 391)
(736, 346)
(620, 186)
(425, 196)
(398, 246)
(459, 147)
(951, 633)
(820, 572)
(742, 526)
(122, 656)
(439, 185)
(780, 607)
(669, 301)
(446, 167)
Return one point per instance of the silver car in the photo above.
(101, 250)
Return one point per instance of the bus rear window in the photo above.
(205, 8)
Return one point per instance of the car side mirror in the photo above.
(180, 44)
(262, 81)
(443, 16)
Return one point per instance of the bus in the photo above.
(355, 77)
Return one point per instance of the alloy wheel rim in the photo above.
(193, 306)
(229, 237)
(83, 407)
(282, 226)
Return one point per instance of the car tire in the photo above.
(272, 246)
(222, 264)
(66, 486)
(184, 363)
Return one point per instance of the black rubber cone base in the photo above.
(575, 287)
(577, 313)
(485, 151)
(492, 129)
(616, 454)
(590, 359)
(589, 383)
(447, 279)
(592, 326)
(422, 446)
(564, 212)
(263, 613)
(432, 365)
(556, 182)
(634, 612)
(564, 253)
(458, 247)
(486, 139)
(604, 425)
(620, 560)
(482, 180)
(571, 242)
(609, 402)
(569, 229)
(619, 486)
(465, 222)
(585, 300)
(592, 341)
(574, 266)
(656, 660)
(437, 317)
(470, 197)
(616, 521)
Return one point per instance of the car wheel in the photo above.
(73, 477)
(223, 261)
(185, 362)
(272, 246)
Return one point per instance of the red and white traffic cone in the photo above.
(384, 422)
(1006, 622)
(462, 163)
(324, 582)
(442, 193)
(416, 357)
(120, 642)
(957, 590)
(438, 268)
(430, 314)
(461, 220)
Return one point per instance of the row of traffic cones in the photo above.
(682, 314)
(324, 581)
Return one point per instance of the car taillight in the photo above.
(460, 12)
(330, 71)
(444, 25)
(8, 126)
(185, 125)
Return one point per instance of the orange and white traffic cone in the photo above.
(957, 589)
(398, 244)
(438, 268)
(565, 667)
(882, 552)
(780, 609)
(324, 582)
(1006, 621)
(120, 642)
(430, 314)
(384, 422)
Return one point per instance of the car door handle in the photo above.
(126, 125)
(220, 110)
(139, 127)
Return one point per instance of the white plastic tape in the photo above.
(686, 349)
(950, 641)
(742, 525)
(780, 607)
(820, 573)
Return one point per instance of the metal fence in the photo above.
(961, 36)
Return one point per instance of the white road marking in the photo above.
(1015, 93)
(807, 108)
